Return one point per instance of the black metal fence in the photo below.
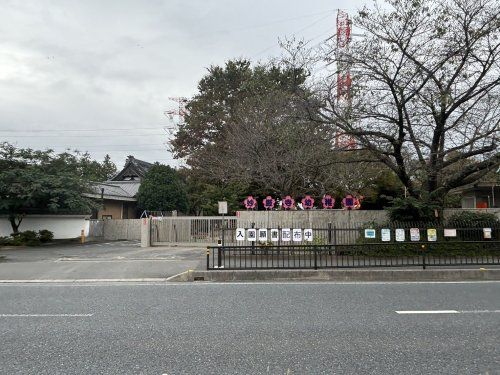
(363, 245)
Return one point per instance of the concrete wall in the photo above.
(309, 218)
(321, 218)
(63, 226)
(110, 229)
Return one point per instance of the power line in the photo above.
(83, 135)
(73, 130)
(296, 32)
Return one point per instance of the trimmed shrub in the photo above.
(411, 210)
(45, 235)
(473, 219)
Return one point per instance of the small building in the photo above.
(480, 195)
(118, 196)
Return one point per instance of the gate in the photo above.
(201, 230)
(397, 245)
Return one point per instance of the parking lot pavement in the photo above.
(110, 260)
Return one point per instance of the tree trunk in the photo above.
(14, 225)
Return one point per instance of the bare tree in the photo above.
(425, 94)
(271, 146)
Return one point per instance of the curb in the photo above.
(338, 275)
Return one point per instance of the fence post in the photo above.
(329, 233)
(423, 257)
(315, 258)
(253, 242)
(208, 258)
(223, 230)
(219, 255)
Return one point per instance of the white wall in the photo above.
(63, 226)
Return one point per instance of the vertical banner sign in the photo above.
(308, 235)
(431, 235)
(297, 235)
(400, 235)
(252, 235)
(286, 234)
(487, 233)
(240, 234)
(370, 233)
(414, 234)
(263, 235)
(386, 234)
(275, 235)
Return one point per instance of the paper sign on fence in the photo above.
(286, 234)
(370, 233)
(400, 234)
(431, 234)
(263, 235)
(252, 235)
(240, 234)
(297, 235)
(386, 234)
(415, 234)
(275, 235)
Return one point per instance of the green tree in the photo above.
(162, 190)
(220, 94)
(42, 182)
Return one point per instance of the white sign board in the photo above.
(222, 208)
(400, 234)
(263, 235)
(370, 233)
(275, 235)
(297, 235)
(450, 232)
(286, 234)
(414, 234)
(487, 233)
(308, 235)
(386, 234)
(240, 234)
(252, 235)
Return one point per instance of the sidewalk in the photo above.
(439, 274)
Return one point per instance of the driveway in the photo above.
(111, 260)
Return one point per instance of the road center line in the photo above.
(408, 312)
(44, 315)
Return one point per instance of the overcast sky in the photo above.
(72, 71)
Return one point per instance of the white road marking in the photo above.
(427, 312)
(43, 315)
(162, 281)
(447, 311)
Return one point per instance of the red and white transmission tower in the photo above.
(178, 112)
(343, 140)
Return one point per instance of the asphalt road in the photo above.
(271, 328)
(112, 260)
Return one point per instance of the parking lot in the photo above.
(109, 260)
